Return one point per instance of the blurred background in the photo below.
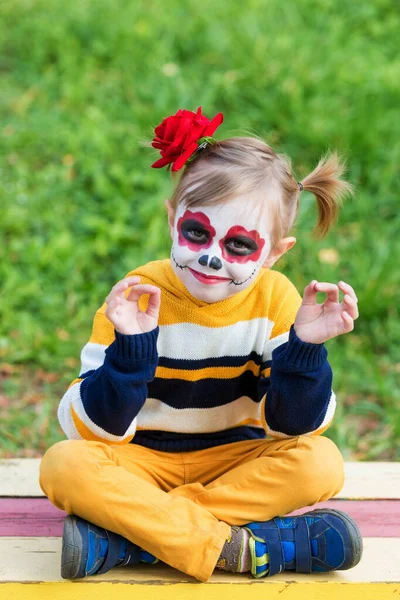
(82, 85)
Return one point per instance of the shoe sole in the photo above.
(353, 530)
(71, 557)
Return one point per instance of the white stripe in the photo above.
(196, 342)
(92, 357)
(158, 415)
(66, 421)
(73, 397)
(330, 411)
(274, 343)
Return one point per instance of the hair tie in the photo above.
(300, 186)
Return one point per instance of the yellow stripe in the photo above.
(273, 291)
(207, 372)
(87, 434)
(249, 421)
(77, 380)
(322, 429)
(103, 329)
(87, 589)
(266, 372)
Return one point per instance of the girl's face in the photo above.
(218, 250)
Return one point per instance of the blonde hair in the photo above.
(241, 165)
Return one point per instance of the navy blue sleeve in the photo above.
(113, 394)
(299, 388)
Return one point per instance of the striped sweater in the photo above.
(209, 374)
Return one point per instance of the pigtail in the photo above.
(329, 190)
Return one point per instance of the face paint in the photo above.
(240, 245)
(218, 250)
(195, 231)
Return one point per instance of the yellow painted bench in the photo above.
(30, 550)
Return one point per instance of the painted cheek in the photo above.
(238, 231)
(204, 221)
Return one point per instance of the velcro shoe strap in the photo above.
(114, 542)
(303, 546)
(271, 533)
(133, 554)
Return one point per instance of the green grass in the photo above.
(83, 84)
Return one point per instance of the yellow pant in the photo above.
(179, 506)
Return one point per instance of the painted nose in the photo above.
(203, 260)
(215, 263)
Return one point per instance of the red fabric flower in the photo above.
(177, 136)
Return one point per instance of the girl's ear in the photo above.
(280, 249)
(171, 217)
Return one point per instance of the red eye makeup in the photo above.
(195, 231)
(241, 246)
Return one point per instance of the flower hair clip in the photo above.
(181, 136)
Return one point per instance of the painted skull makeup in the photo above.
(218, 250)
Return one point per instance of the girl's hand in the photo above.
(317, 323)
(124, 312)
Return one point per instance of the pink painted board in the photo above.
(375, 518)
(26, 517)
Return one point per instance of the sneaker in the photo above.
(88, 549)
(320, 540)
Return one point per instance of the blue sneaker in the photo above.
(320, 540)
(89, 550)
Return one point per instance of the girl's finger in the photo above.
(125, 283)
(347, 321)
(140, 289)
(120, 287)
(310, 295)
(114, 303)
(330, 289)
(153, 307)
(350, 306)
(347, 289)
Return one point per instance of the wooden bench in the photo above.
(30, 549)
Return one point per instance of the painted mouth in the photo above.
(208, 279)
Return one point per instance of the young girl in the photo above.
(195, 423)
